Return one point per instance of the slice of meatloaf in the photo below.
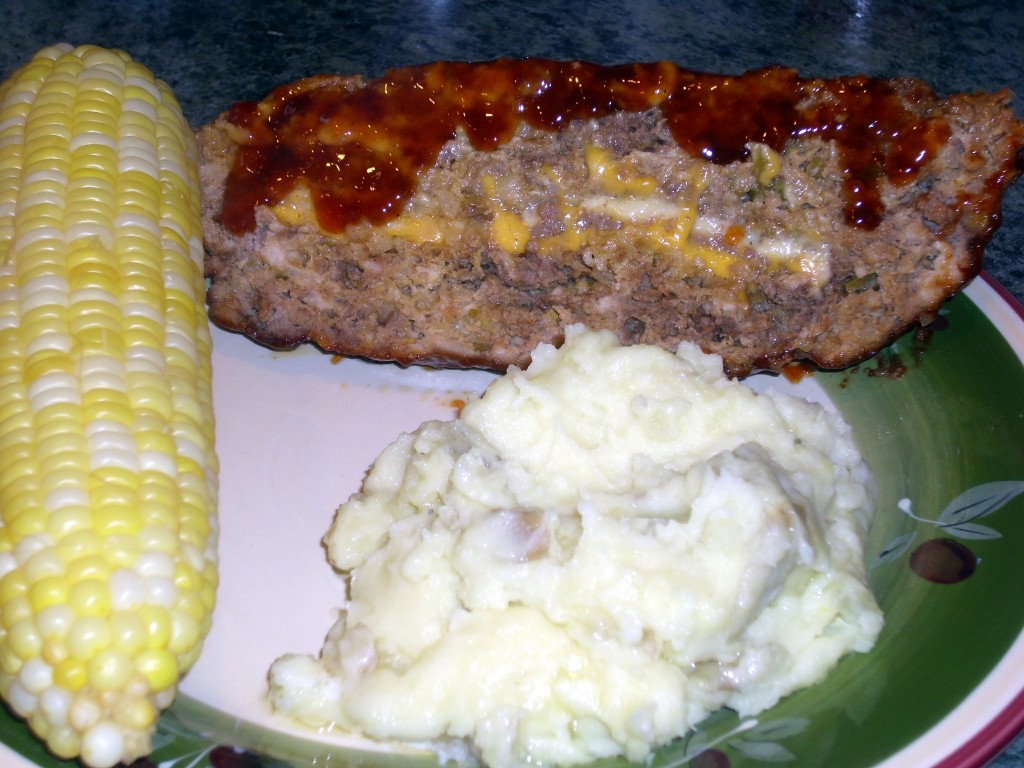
(767, 217)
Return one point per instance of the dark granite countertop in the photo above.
(214, 53)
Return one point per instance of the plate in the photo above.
(944, 685)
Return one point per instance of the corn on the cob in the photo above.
(107, 465)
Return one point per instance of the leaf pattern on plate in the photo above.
(958, 518)
(755, 740)
(894, 549)
(760, 743)
(176, 745)
(978, 502)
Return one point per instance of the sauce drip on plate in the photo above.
(362, 150)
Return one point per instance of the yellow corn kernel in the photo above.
(128, 632)
(158, 626)
(12, 585)
(71, 674)
(107, 464)
(89, 568)
(137, 714)
(90, 597)
(158, 667)
(49, 590)
(24, 639)
(110, 670)
(88, 636)
(10, 665)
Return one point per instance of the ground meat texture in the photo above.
(608, 222)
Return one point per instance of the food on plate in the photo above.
(596, 554)
(108, 476)
(459, 214)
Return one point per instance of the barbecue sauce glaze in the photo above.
(362, 150)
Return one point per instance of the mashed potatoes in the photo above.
(599, 552)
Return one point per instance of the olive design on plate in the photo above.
(946, 559)
(943, 561)
(711, 758)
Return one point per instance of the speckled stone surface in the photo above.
(215, 53)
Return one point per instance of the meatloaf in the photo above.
(459, 214)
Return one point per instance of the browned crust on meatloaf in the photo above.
(470, 303)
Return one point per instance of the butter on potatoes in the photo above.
(600, 551)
